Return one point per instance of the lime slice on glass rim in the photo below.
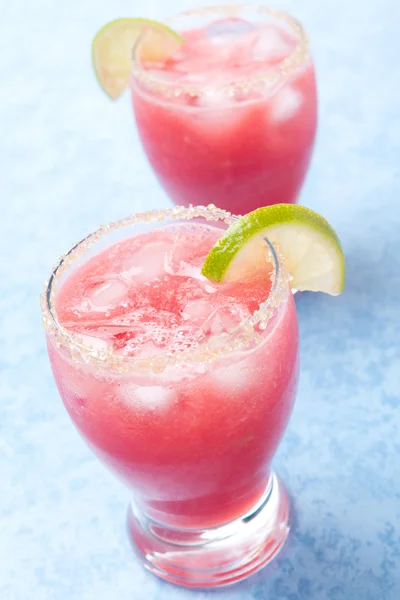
(112, 50)
(310, 248)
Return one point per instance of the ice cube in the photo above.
(222, 321)
(147, 263)
(146, 396)
(220, 30)
(107, 294)
(93, 342)
(198, 311)
(183, 262)
(213, 99)
(270, 45)
(185, 270)
(153, 396)
(285, 104)
(222, 115)
(210, 289)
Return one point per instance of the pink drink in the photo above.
(180, 389)
(196, 448)
(231, 117)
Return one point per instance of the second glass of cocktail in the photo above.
(232, 115)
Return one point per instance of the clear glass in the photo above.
(207, 510)
(240, 141)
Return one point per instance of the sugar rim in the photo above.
(242, 337)
(268, 78)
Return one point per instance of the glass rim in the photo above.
(268, 78)
(240, 338)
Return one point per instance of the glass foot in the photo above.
(218, 556)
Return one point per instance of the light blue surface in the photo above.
(71, 160)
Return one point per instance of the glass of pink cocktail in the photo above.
(232, 115)
(181, 386)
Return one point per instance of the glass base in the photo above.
(218, 556)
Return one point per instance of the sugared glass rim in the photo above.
(242, 337)
(268, 78)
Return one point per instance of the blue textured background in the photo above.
(70, 160)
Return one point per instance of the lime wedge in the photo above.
(309, 246)
(112, 50)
